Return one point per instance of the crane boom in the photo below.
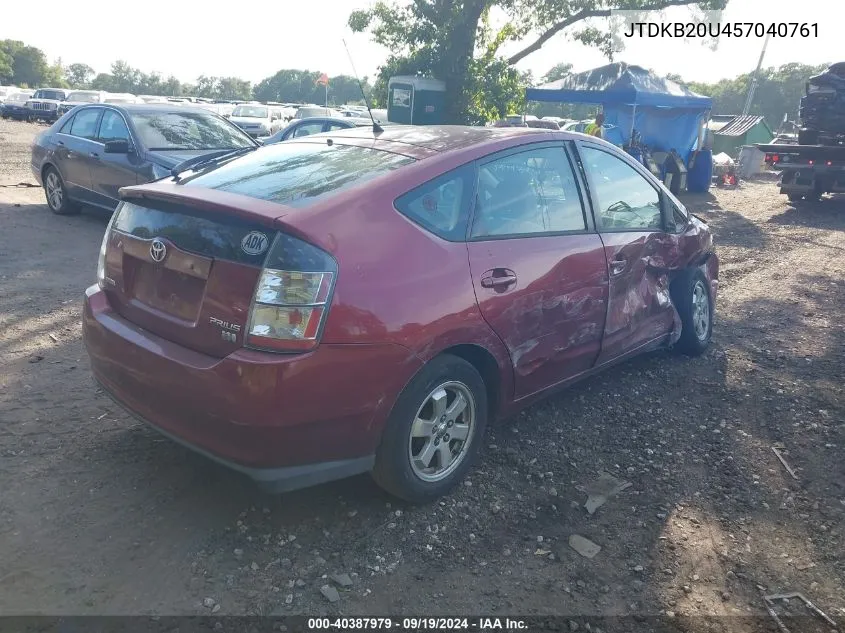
(754, 80)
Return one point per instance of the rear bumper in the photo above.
(13, 112)
(286, 421)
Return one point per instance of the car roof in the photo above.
(149, 108)
(334, 119)
(442, 138)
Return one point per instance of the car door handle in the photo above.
(94, 155)
(618, 266)
(499, 278)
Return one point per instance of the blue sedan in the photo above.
(315, 125)
(94, 150)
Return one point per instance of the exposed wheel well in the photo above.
(44, 169)
(486, 365)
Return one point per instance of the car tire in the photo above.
(421, 429)
(56, 193)
(693, 300)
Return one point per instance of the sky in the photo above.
(188, 38)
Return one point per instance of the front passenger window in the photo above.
(113, 127)
(626, 200)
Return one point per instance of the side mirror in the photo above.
(117, 146)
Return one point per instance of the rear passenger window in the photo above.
(441, 205)
(532, 192)
(66, 126)
(307, 129)
(85, 123)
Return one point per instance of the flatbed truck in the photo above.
(807, 171)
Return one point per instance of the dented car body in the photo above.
(535, 257)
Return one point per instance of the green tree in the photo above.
(103, 81)
(171, 87)
(344, 89)
(79, 75)
(777, 94)
(125, 78)
(454, 40)
(558, 71)
(290, 85)
(232, 88)
(30, 67)
(6, 70)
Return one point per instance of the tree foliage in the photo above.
(28, 66)
(777, 94)
(300, 86)
(79, 75)
(455, 41)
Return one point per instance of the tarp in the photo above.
(619, 84)
(661, 129)
(667, 115)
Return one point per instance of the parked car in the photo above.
(44, 104)
(576, 126)
(94, 150)
(78, 97)
(542, 123)
(314, 310)
(257, 120)
(223, 109)
(14, 107)
(153, 99)
(5, 91)
(121, 98)
(311, 111)
(315, 125)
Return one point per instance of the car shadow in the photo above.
(826, 214)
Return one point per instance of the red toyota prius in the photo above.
(369, 300)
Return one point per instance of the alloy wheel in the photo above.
(700, 310)
(442, 431)
(55, 191)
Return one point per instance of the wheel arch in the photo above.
(485, 364)
(47, 165)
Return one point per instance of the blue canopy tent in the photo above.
(665, 114)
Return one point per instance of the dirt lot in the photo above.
(100, 515)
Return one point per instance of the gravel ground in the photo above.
(100, 515)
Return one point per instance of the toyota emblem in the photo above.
(158, 251)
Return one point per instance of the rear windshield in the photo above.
(299, 174)
(252, 112)
(84, 97)
(187, 131)
(217, 236)
(50, 94)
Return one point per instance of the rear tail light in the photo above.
(101, 260)
(291, 299)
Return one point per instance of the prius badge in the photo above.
(158, 251)
(228, 331)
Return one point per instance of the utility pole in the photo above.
(755, 79)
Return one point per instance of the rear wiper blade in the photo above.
(208, 159)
